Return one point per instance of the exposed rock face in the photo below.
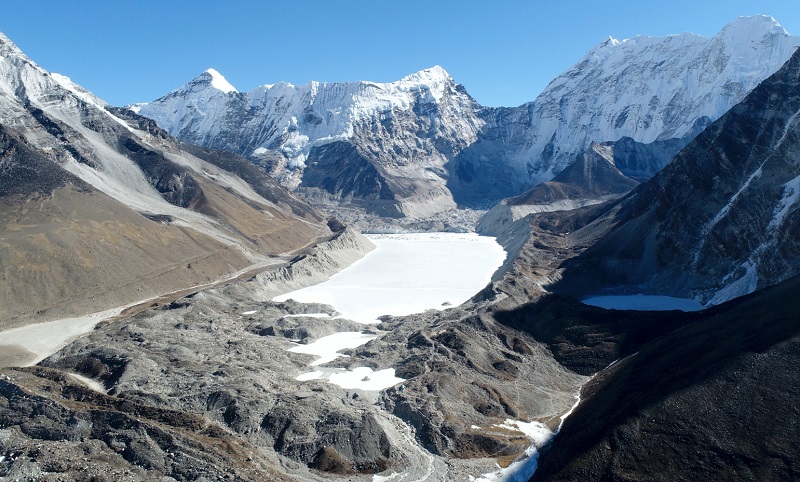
(101, 208)
(56, 428)
(718, 222)
(711, 400)
(422, 145)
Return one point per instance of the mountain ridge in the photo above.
(420, 145)
(102, 209)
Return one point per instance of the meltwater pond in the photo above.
(408, 273)
(644, 303)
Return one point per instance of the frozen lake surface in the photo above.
(404, 274)
(408, 273)
(644, 303)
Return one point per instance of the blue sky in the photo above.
(503, 52)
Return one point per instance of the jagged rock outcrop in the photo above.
(592, 178)
(720, 220)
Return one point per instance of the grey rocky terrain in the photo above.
(227, 376)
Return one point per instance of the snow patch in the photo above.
(745, 284)
(364, 378)
(536, 431)
(791, 194)
(309, 315)
(389, 478)
(327, 348)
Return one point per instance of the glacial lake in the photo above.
(404, 274)
(408, 273)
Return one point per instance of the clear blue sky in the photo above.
(503, 52)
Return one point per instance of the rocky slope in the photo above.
(101, 208)
(718, 222)
(213, 367)
(713, 399)
(422, 145)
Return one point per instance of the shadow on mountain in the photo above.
(709, 394)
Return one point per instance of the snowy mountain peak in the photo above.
(6, 45)
(761, 25)
(9, 50)
(431, 75)
(218, 81)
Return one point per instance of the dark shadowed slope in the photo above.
(714, 400)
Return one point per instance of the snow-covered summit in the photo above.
(293, 118)
(755, 24)
(218, 81)
(651, 88)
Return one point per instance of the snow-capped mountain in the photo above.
(365, 140)
(102, 208)
(651, 93)
(721, 220)
(422, 144)
(657, 88)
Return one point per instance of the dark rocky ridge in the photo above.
(714, 399)
(25, 171)
(593, 175)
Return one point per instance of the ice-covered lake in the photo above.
(404, 274)
(408, 273)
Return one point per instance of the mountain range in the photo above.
(422, 145)
(102, 208)
(656, 165)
